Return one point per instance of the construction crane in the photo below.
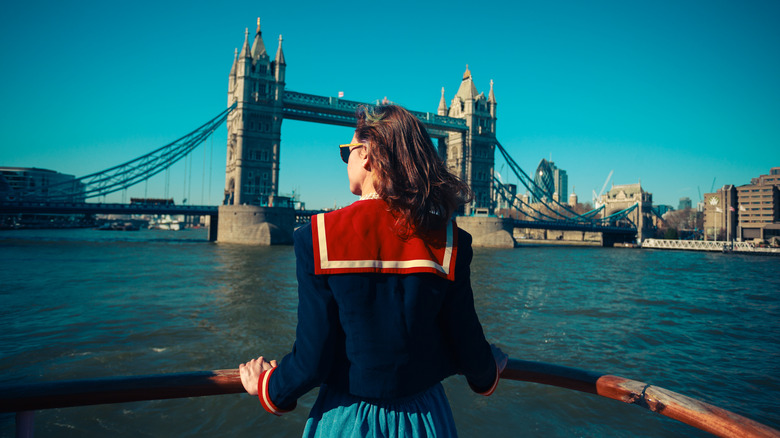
(596, 197)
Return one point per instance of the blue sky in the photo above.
(672, 94)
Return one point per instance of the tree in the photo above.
(580, 208)
(687, 219)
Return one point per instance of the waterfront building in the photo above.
(256, 86)
(33, 183)
(511, 201)
(685, 203)
(720, 214)
(758, 205)
(561, 183)
(573, 199)
(551, 182)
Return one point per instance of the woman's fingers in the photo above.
(250, 374)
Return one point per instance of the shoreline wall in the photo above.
(253, 225)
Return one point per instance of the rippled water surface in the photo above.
(86, 303)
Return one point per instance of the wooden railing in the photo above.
(24, 399)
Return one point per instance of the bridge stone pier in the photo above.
(486, 231)
(252, 224)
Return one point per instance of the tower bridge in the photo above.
(465, 129)
(257, 104)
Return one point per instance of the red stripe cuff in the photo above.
(493, 387)
(265, 397)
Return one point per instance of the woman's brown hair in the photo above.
(409, 174)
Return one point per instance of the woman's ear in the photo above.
(365, 159)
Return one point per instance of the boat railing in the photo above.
(25, 399)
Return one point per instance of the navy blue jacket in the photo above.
(379, 335)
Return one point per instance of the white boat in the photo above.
(166, 223)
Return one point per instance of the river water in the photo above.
(86, 303)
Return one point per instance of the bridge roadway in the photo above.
(32, 207)
(39, 207)
(575, 226)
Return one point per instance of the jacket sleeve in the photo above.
(471, 350)
(311, 358)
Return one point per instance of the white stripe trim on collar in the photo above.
(325, 263)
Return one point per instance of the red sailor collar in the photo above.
(362, 238)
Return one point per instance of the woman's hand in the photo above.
(250, 373)
(501, 358)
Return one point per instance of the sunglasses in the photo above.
(346, 150)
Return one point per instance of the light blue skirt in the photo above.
(336, 414)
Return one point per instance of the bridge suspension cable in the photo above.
(620, 215)
(532, 186)
(541, 218)
(137, 170)
(504, 193)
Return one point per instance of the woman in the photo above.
(385, 309)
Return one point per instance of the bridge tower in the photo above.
(471, 155)
(621, 197)
(256, 86)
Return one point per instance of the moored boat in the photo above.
(118, 226)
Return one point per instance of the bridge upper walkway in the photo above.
(336, 111)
